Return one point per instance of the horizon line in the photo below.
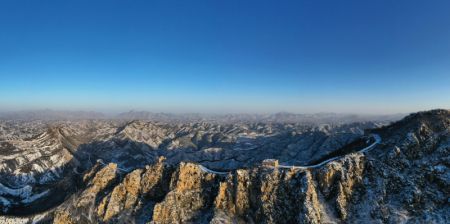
(119, 112)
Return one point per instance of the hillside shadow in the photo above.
(84, 157)
(352, 147)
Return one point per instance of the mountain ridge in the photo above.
(406, 177)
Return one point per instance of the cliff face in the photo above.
(267, 195)
(110, 198)
(191, 197)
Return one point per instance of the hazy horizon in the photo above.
(357, 111)
(118, 112)
(382, 57)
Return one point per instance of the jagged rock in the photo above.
(311, 210)
(192, 192)
(123, 197)
(62, 217)
(150, 183)
(102, 179)
(156, 180)
(269, 196)
(81, 207)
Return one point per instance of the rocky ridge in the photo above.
(405, 179)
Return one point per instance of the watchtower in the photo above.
(270, 162)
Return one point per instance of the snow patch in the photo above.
(23, 192)
(35, 197)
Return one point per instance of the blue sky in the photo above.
(225, 56)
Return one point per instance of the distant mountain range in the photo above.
(283, 117)
(50, 115)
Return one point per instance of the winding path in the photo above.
(376, 137)
(377, 141)
(211, 171)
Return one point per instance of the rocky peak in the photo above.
(420, 124)
(191, 196)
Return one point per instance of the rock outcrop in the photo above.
(109, 198)
(191, 197)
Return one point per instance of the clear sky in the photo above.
(225, 56)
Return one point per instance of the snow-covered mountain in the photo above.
(135, 171)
